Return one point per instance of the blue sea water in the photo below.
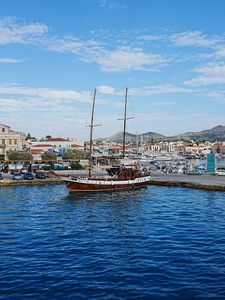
(154, 243)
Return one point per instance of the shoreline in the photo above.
(204, 181)
(192, 185)
(10, 182)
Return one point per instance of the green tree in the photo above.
(49, 156)
(74, 154)
(19, 155)
(77, 166)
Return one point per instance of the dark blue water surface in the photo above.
(146, 244)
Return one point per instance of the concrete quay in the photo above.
(10, 182)
(205, 181)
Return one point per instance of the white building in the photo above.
(57, 143)
(10, 140)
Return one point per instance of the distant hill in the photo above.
(214, 134)
(118, 137)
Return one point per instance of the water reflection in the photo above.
(112, 211)
(107, 196)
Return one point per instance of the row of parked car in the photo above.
(26, 176)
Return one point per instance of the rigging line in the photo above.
(92, 125)
(125, 121)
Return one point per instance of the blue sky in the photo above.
(169, 53)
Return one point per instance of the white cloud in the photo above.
(15, 97)
(216, 95)
(10, 105)
(144, 91)
(110, 58)
(220, 51)
(158, 89)
(192, 38)
(151, 37)
(110, 4)
(37, 34)
(68, 44)
(127, 58)
(7, 60)
(36, 99)
(12, 32)
(209, 75)
(103, 89)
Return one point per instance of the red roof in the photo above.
(42, 145)
(57, 140)
(76, 146)
(33, 151)
(117, 148)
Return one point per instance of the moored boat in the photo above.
(118, 178)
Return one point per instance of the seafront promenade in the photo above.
(204, 181)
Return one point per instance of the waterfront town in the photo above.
(166, 156)
(112, 150)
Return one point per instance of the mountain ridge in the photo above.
(216, 133)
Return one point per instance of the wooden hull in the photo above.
(98, 185)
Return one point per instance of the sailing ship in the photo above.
(119, 178)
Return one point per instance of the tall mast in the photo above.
(125, 123)
(91, 134)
